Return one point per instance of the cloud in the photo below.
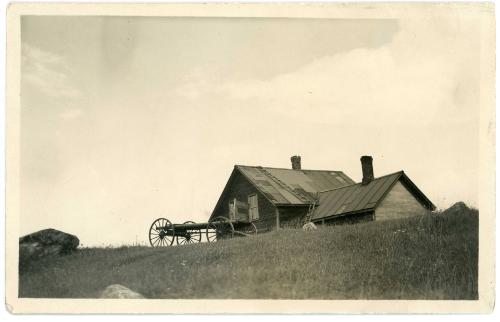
(47, 73)
(424, 74)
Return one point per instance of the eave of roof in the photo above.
(426, 202)
(368, 210)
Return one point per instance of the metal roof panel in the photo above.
(354, 198)
(295, 187)
(264, 184)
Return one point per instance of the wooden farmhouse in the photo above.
(274, 198)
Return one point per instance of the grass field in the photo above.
(430, 257)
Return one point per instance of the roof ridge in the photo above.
(259, 166)
(357, 183)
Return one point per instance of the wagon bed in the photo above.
(162, 232)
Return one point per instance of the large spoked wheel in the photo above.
(161, 233)
(219, 228)
(191, 236)
(250, 229)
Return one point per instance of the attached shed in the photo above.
(388, 197)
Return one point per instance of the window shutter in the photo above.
(232, 209)
(253, 211)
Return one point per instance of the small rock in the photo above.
(309, 226)
(117, 291)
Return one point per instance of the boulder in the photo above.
(46, 242)
(457, 208)
(117, 291)
(309, 226)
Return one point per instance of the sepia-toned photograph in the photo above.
(318, 153)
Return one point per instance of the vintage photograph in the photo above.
(252, 157)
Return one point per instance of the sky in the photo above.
(127, 119)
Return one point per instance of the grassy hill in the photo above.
(430, 257)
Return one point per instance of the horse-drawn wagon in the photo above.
(238, 223)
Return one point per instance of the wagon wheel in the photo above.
(247, 230)
(161, 233)
(219, 228)
(250, 229)
(192, 236)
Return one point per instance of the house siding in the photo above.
(240, 189)
(399, 203)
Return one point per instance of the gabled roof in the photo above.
(287, 186)
(293, 187)
(358, 198)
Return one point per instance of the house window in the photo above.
(253, 211)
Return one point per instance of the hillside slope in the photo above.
(430, 257)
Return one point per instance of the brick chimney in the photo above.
(367, 167)
(295, 162)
